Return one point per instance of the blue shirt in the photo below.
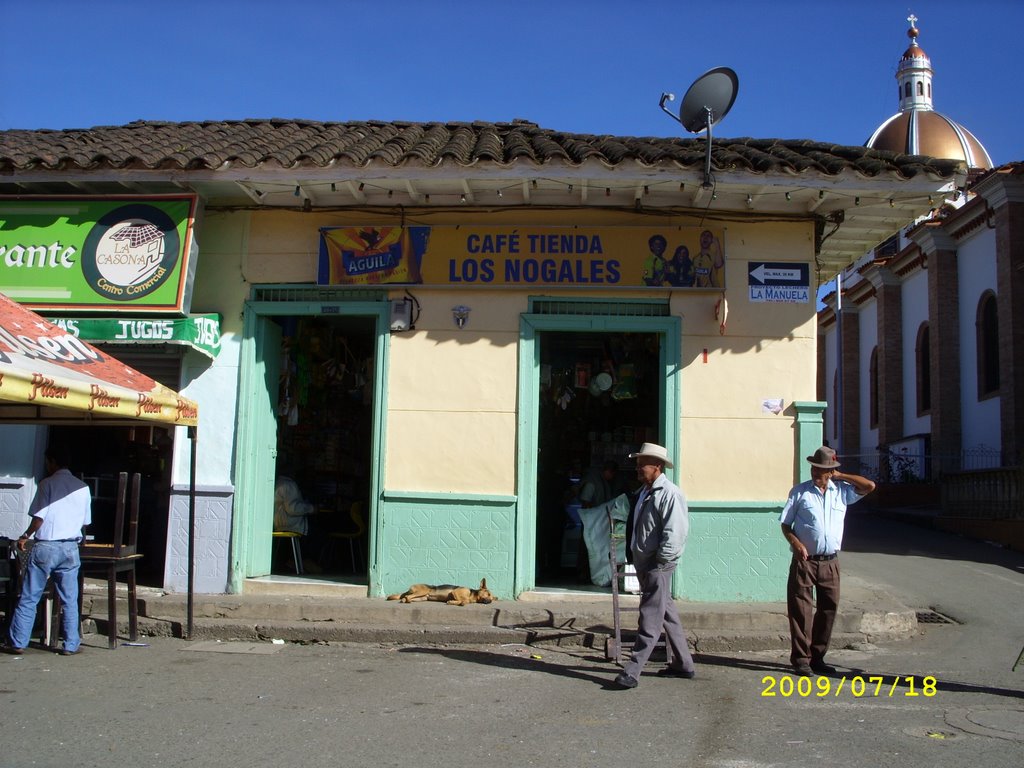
(817, 518)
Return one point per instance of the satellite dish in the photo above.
(709, 99)
(706, 102)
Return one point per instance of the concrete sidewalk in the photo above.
(308, 611)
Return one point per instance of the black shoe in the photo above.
(673, 672)
(626, 681)
(802, 670)
(66, 652)
(822, 668)
(5, 648)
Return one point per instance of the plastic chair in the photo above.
(118, 556)
(355, 513)
(296, 550)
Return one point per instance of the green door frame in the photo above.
(670, 361)
(250, 546)
(254, 478)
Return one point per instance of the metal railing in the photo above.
(990, 494)
(902, 466)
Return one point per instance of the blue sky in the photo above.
(817, 70)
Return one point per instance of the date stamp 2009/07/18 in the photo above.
(857, 686)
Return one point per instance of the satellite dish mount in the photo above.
(706, 102)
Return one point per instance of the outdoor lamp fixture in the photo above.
(460, 315)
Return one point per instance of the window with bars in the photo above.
(637, 308)
(328, 293)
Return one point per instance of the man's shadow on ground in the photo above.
(907, 684)
(524, 662)
(604, 678)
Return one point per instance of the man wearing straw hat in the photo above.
(812, 522)
(656, 534)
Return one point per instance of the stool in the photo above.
(296, 554)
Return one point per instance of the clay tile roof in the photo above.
(297, 143)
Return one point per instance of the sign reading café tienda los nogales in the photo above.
(98, 253)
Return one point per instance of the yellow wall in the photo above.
(452, 394)
(730, 450)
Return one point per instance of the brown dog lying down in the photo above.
(445, 593)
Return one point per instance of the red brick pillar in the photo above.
(944, 336)
(889, 306)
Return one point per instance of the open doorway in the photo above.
(599, 399)
(324, 444)
(98, 455)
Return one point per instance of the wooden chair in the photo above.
(118, 556)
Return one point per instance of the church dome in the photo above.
(917, 129)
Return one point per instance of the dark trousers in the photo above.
(657, 612)
(810, 624)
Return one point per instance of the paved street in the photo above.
(174, 703)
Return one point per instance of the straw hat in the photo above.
(654, 451)
(824, 457)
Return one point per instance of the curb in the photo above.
(596, 638)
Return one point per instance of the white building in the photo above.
(921, 349)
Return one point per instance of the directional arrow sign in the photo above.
(778, 273)
(778, 281)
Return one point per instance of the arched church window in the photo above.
(906, 90)
(923, 361)
(987, 329)
(920, 88)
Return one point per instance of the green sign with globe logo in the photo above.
(129, 253)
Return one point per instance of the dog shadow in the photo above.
(525, 663)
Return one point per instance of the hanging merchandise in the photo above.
(625, 388)
(367, 381)
(582, 375)
(566, 397)
(284, 402)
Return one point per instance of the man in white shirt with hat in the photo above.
(812, 522)
(656, 534)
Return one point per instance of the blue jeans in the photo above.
(61, 560)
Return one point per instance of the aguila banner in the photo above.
(42, 365)
(553, 257)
